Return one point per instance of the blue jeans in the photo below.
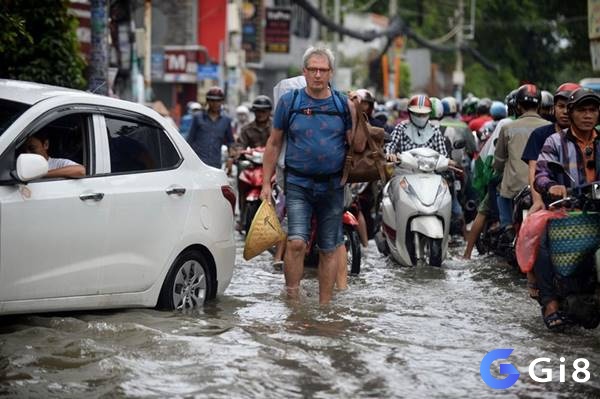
(505, 210)
(328, 207)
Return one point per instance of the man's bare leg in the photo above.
(473, 234)
(294, 266)
(328, 266)
(341, 280)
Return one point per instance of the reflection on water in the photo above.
(396, 332)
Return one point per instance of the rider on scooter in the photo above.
(577, 149)
(416, 132)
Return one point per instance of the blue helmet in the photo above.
(498, 110)
(450, 105)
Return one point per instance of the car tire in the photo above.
(352, 242)
(189, 283)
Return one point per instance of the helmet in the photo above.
(419, 104)
(365, 95)
(547, 99)
(511, 102)
(262, 103)
(528, 94)
(215, 93)
(450, 105)
(437, 109)
(498, 110)
(564, 90)
(242, 109)
(193, 106)
(580, 96)
(469, 105)
(483, 106)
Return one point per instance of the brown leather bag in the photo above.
(370, 164)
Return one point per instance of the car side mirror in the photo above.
(31, 166)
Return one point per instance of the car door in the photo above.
(53, 231)
(149, 199)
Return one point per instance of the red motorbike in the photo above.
(250, 180)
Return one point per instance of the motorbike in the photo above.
(502, 241)
(579, 293)
(250, 180)
(416, 210)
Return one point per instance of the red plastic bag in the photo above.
(528, 243)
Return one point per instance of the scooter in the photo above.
(416, 210)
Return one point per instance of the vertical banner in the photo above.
(252, 33)
(593, 19)
(277, 30)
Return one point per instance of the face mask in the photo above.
(419, 121)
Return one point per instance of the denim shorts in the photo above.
(328, 207)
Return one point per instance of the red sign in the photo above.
(277, 30)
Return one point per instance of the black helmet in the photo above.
(215, 93)
(511, 102)
(580, 96)
(529, 94)
(261, 103)
(483, 106)
(547, 100)
(564, 90)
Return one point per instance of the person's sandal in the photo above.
(278, 265)
(555, 321)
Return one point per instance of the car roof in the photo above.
(31, 92)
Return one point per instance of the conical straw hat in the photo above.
(265, 231)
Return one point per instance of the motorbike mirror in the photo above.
(458, 144)
(558, 169)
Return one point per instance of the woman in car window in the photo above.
(57, 167)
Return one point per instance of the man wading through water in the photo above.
(317, 123)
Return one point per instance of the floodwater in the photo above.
(395, 333)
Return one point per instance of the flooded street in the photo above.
(396, 332)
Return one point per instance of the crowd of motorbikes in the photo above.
(419, 234)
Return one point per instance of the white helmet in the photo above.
(193, 106)
(242, 109)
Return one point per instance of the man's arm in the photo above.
(67, 171)
(544, 177)
(272, 150)
(193, 128)
(229, 136)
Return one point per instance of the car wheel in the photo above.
(352, 243)
(188, 284)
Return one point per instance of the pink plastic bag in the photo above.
(530, 234)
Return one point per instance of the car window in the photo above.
(65, 140)
(9, 112)
(135, 146)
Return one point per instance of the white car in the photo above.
(149, 224)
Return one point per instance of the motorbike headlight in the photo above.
(427, 164)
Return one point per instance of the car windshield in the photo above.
(9, 112)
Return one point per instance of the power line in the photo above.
(397, 27)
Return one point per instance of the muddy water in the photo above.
(396, 332)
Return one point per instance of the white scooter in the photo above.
(416, 210)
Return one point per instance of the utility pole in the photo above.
(98, 82)
(336, 36)
(458, 76)
(147, 49)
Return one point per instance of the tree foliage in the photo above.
(38, 43)
(542, 42)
